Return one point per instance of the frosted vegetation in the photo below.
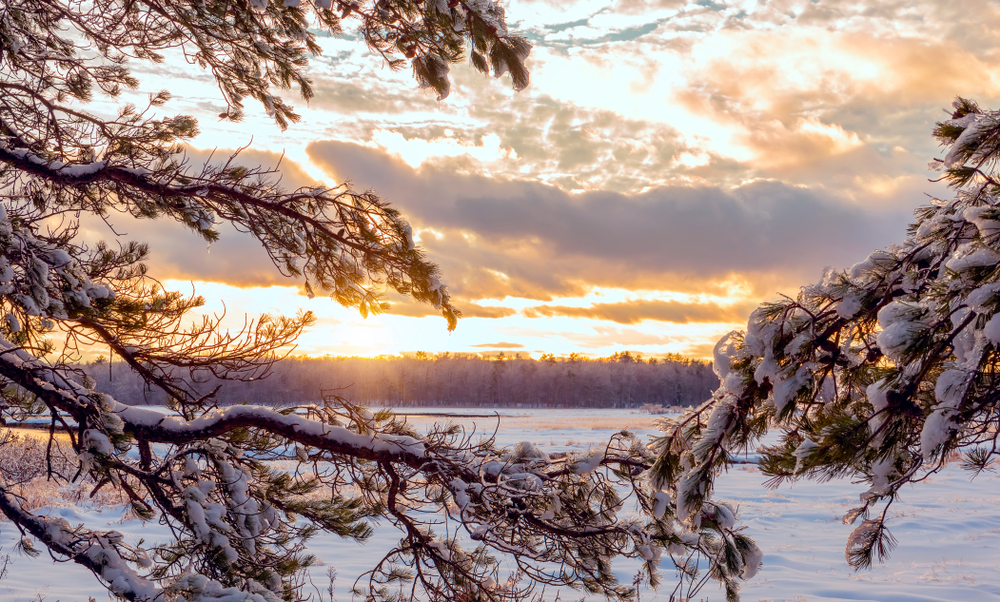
(877, 374)
(948, 529)
(235, 487)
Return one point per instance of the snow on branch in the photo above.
(559, 518)
(882, 372)
(345, 241)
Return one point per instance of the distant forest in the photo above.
(623, 380)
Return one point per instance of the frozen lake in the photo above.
(948, 528)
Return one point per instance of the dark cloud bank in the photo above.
(531, 240)
(675, 233)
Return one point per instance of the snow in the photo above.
(901, 323)
(971, 256)
(788, 387)
(974, 125)
(948, 530)
(660, 499)
(149, 418)
(849, 306)
(98, 442)
(83, 169)
(992, 330)
(951, 386)
(589, 462)
(802, 452)
(724, 353)
(980, 216)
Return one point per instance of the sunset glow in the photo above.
(641, 194)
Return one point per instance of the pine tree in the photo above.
(239, 521)
(881, 373)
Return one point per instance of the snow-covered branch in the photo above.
(558, 518)
(878, 373)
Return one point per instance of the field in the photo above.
(948, 530)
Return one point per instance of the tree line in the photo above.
(622, 380)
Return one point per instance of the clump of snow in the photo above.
(974, 124)
(588, 462)
(992, 330)
(942, 423)
(97, 442)
(971, 256)
(660, 501)
(849, 306)
(950, 387)
(752, 563)
(881, 470)
(982, 217)
(725, 353)
(724, 515)
(902, 323)
(802, 452)
(979, 299)
(788, 387)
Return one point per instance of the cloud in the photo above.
(830, 101)
(632, 312)
(793, 90)
(348, 96)
(527, 239)
(771, 83)
(473, 310)
(177, 252)
(500, 345)
(406, 306)
(497, 238)
(535, 138)
(664, 145)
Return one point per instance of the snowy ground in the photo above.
(948, 531)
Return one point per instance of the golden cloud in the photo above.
(633, 312)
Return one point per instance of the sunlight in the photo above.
(842, 140)
(415, 151)
(620, 300)
(342, 331)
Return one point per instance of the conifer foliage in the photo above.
(242, 488)
(881, 373)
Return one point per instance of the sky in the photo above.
(672, 165)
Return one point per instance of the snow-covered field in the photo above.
(948, 530)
